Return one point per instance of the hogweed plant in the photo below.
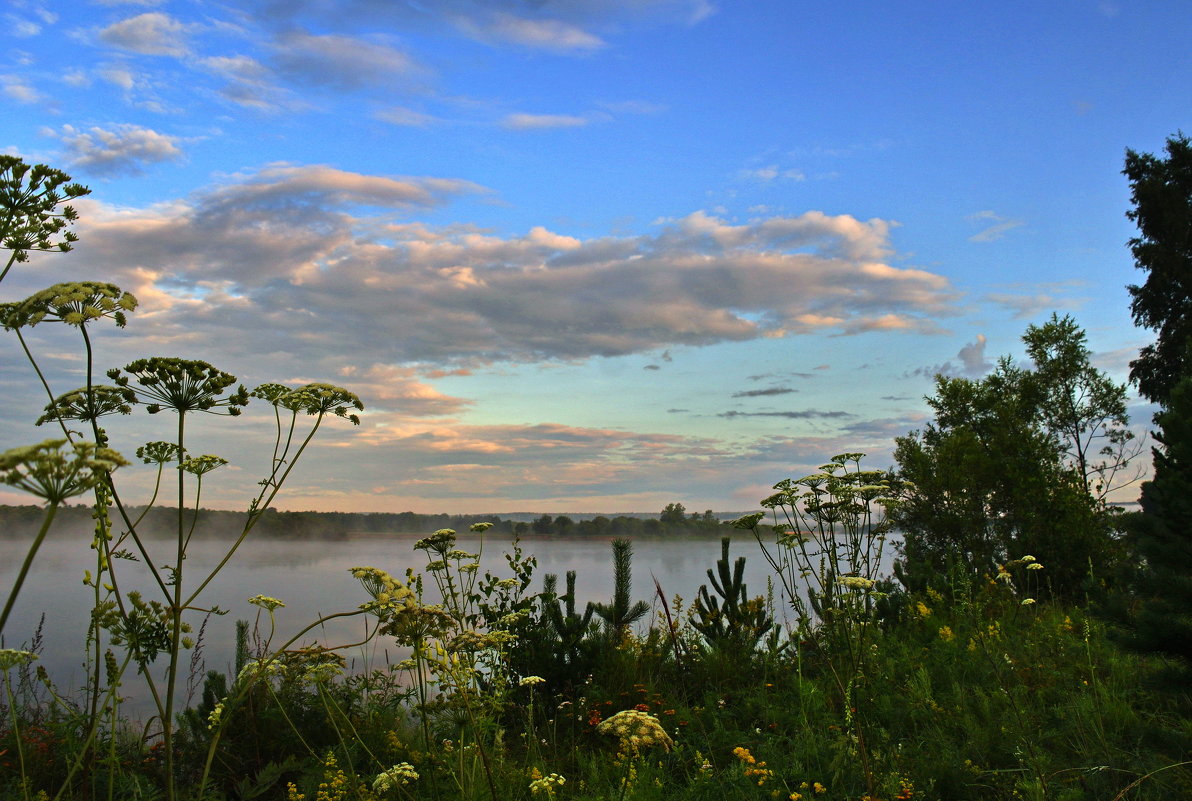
(33, 219)
(637, 734)
(826, 546)
(461, 667)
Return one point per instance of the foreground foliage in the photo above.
(966, 690)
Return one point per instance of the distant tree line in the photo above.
(672, 520)
(21, 521)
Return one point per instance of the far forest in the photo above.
(23, 521)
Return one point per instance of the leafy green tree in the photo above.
(674, 514)
(1161, 618)
(1080, 406)
(1005, 468)
(1161, 191)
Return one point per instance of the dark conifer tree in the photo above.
(1161, 191)
(1159, 619)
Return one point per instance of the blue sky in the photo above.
(579, 255)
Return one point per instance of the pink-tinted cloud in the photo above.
(310, 251)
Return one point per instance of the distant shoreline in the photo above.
(23, 521)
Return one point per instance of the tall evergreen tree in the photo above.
(1161, 618)
(1161, 191)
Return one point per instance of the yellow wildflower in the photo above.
(546, 785)
(744, 755)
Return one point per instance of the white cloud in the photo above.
(279, 187)
(1029, 301)
(153, 33)
(120, 149)
(398, 115)
(541, 34)
(238, 67)
(118, 76)
(340, 62)
(77, 78)
(16, 88)
(772, 172)
(28, 23)
(1025, 306)
(21, 28)
(540, 24)
(996, 231)
(534, 122)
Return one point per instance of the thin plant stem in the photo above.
(102, 558)
(13, 258)
(1122, 793)
(262, 503)
(45, 384)
(176, 607)
(23, 573)
(16, 732)
(91, 733)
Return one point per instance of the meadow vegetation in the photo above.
(1032, 645)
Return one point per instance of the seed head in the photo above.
(75, 303)
(199, 465)
(10, 658)
(29, 200)
(182, 385)
(55, 474)
(314, 398)
(89, 405)
(158, 452)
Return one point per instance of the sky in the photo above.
(583, 255)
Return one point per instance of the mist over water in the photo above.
(312, 578)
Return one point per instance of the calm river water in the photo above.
(312, 578)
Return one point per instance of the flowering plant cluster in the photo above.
(637, 731)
